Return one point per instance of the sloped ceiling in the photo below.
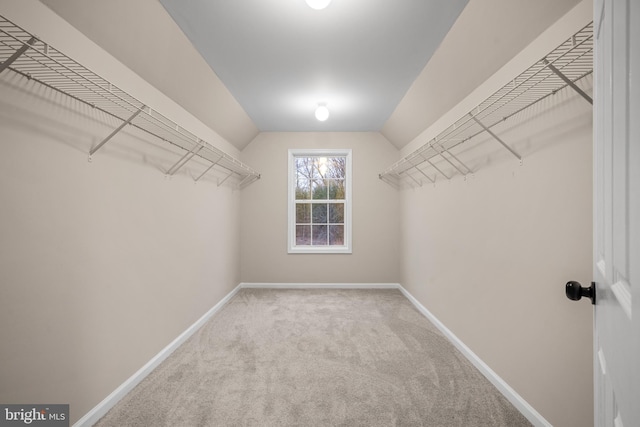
(281, 58)
(389, 66)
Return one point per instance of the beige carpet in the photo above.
(314, 357)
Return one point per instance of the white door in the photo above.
(617, 212)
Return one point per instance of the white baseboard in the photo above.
(510, 394)
(321, 285)
(109, 402)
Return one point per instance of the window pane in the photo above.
(304, 177)
(320, 189)
(318, 216)
(336, 213)
(302, 187)
(336, 189)
(319, 235)
(336, 167)
(319, 212)
(336, 234)
(303, 235)
(303, 213)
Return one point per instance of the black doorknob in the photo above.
(575, 291)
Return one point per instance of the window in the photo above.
(319, 201)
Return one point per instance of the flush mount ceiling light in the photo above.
(318, 4)
(322, 112)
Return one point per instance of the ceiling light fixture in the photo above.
(322, 112)
(318, 4)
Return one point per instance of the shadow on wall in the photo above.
(73, 123)
(530, 131)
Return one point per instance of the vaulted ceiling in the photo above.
(248, 66)
(280, 58)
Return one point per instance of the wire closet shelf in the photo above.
(24, 54)
(563, 67)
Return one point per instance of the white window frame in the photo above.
(348, 201)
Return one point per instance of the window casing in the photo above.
(319, 210)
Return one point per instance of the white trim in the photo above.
(110, 401)
(320, 285)
(621, 289)
(510, 394)
(292, 248)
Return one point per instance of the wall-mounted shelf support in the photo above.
(118, 129)
(423, 174)
(456, 159)
(436, 168)
(563, 67)
(496, 137)
(391, 180)
(412, 177)
(441, 153)
(17, 54)
(568, 81)
(185, 159)
(29, 57)
(225, 178)
(207, 169)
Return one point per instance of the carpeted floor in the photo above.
(315, 357)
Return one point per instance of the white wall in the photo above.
(486, 35)
(489, 257)
(169, 61)
(102, 263)
(376, 216)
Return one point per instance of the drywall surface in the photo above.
(490, 255)
(376, 239)
(102, 263)
(149, 42)
(486, 35)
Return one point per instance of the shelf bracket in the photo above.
(244, 181)
(249, 180)
(17, 54)
(387, 178)
(126, 122)
(185, 159)
(567, 81)
(423, 173)
(456, 159)
(411, 176)
(496, 137)
(443, 156)
(225, 178)
(437, 168)
(208, 169)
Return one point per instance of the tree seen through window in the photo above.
(320, 200)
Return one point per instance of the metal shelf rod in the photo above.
(17, 54)
(569, 82)
(184, 159)
(497, 138)
(112, 134)
(208, 169)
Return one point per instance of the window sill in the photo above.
(320, 250)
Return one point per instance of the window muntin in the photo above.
(319, 205)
